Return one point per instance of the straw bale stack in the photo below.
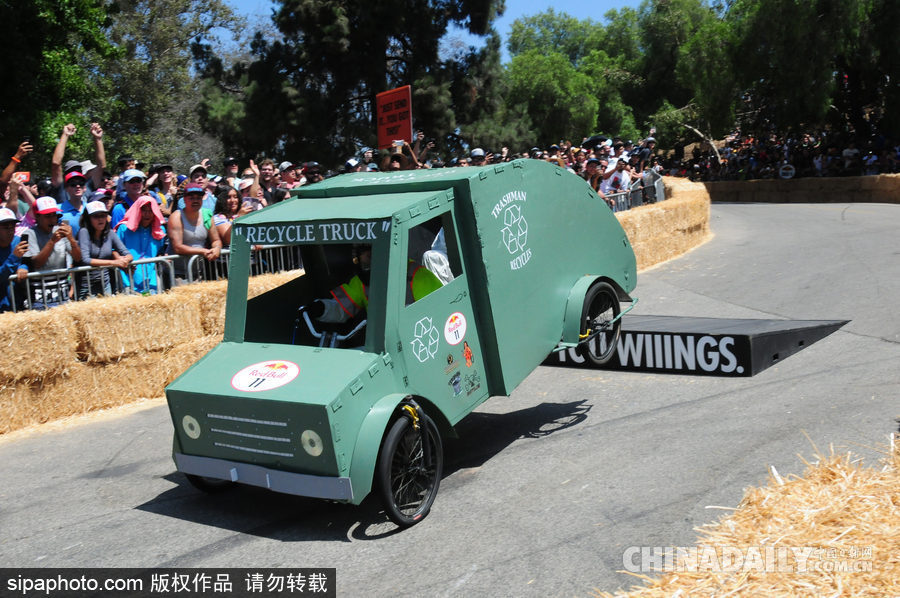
(883, 188)
(36, 345)
(92, 386)
(40, 400)
(210, 297)
(183, 356)
(109, 329)
(664, 230)
(844, 519)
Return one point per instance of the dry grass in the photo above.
(847, 513)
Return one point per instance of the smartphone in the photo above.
(26, 139)
(398, 142)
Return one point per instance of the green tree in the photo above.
(607, 78)
(551, 32)
(46, 46)
(770, 37)
(311, 93)
(867, 67)
(665, 27)
(483, 117)
(559, 98)
(146, 97)
(705, 67)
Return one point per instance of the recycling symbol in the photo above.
(515, 229)
(427, 338)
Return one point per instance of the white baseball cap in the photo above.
(96, 206)
(45, 205)
(7, 215)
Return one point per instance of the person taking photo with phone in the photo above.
(12, 248)
(51, 246)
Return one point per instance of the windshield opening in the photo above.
(326, 306)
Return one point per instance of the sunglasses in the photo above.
(74, 184)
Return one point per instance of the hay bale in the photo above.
(36, 345)
(665, 230)
(27, 402)
(112, 328)
(267, 282)
(183, 356)
(210, 297)
(90, 387)
(842, 517)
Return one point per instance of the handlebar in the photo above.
(330, 339)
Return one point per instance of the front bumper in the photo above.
(300, 484)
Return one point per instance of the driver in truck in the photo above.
(349, 299)
(352, 298)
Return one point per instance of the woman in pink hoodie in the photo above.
(142, 232)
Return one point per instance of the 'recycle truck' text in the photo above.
(423, 293)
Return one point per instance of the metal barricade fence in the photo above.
(636, 194)
(660, 187)
(618, 202)
(264, 259)
(41, 290)
(647, 189)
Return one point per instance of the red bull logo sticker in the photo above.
(265, 375)
(455, 328)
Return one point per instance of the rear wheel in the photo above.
(409, 472)
(209, 485)
(598, 320)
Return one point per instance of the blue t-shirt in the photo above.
(72, 215)
(9, 263)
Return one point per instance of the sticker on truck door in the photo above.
(426, 340)
(514, 228)
(265, 375)
(455, 328)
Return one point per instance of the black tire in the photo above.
(408, 485)
(209, 485)
(601, 306)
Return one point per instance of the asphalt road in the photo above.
(545, 489)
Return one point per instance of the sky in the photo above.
(515, 9)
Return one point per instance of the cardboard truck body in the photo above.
(519, 250)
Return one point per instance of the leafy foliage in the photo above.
(303, 84)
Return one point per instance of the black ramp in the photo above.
(704, 346)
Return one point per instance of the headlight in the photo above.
(191, 427)
(311, 442)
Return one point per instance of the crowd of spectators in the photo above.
(90, 213)
(785, 156)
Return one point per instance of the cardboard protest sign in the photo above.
(394, 109)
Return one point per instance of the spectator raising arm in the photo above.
(99, 155)
(23, 150)
(56, 168)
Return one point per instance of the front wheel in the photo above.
(409, 473)
(600, 322)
